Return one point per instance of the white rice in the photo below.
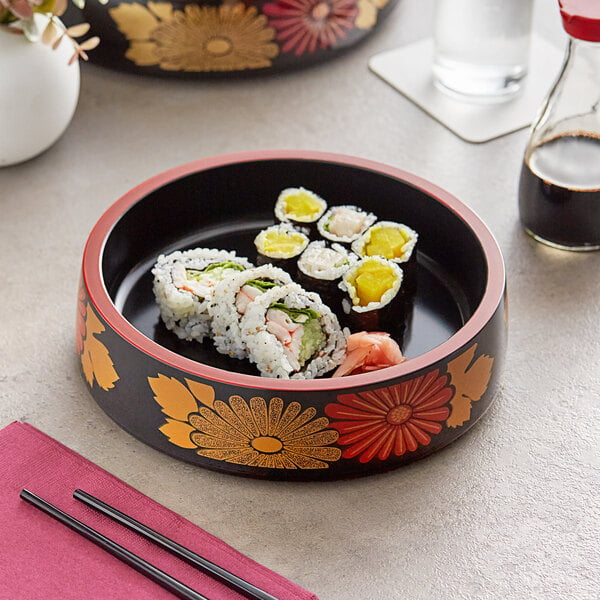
(226, 332)
(185, 311)
(267, 352)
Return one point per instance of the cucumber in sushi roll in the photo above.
(184, 282)
(230, 302)
(290, 333)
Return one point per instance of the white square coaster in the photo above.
(408, 69)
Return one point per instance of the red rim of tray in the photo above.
(93, 280)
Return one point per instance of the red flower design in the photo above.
(396, 419)
(306, 24)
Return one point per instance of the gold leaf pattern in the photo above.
(204, 393)
(93, 325)
(197, 38)
(163, 10)
(368, 11)
(470, 378)
(144, 53)
(178, 433)
(174, 397)
(95, 359)
(135, 21)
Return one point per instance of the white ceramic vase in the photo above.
(38, 95)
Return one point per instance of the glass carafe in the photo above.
(559, 189)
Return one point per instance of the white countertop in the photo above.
(509, 511)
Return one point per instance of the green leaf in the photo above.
(297, 315)
(262, 284)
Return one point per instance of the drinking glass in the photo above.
(481, 47)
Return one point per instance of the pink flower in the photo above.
(304, 25)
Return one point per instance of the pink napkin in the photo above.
(42, 558)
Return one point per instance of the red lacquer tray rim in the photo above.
(94, 283)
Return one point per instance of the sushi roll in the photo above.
(344, 224)
(184, 282)
(301, 208)
(280, 245)
(230, 301)
(290, 333)
(393, 241)
(320, 269)
(374, 301)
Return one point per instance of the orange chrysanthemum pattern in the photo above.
(393, 420)
(255, 433)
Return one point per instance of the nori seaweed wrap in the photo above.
(374, 301)
(395, 242)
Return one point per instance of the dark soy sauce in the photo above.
(559, 191)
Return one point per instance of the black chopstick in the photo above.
(229, 579)
(174, 586)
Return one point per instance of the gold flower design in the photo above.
(368, 11)
(251, 433)
(197, 38)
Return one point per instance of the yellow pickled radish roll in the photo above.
(280, 242)
(299, 205)
(372, 283)
(390, 240)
